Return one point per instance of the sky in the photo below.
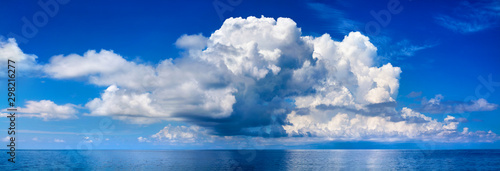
(300, 74)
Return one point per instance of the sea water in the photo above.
(254, 160)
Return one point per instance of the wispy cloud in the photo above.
(470, 17)
(414, 94)
(405, 48)
(391, 50)
(436, 105)
(59, 140)
(46, 132)
(335, 19)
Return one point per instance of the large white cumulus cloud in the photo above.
(262, 77)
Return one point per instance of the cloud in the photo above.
(405, 48)
(47, 132)
(6, 139)
(397, 51)
(461, 120)
(199, 137)
(92, 62)
(24, 63)
(197, 41)
(200, 88)
(87, 140)
(101, 68)
(168, 100)
(414, 94)
(122, 103)
(58, 140)
(470, 17)
(47, 110)
(142, 139)
(257, 77)
(436, 105)
(346, 127)
(348, 78)
(181, 135)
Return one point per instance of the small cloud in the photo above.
(182, 135)
(477, 120)
(58, 140)
(35, 139)
(197, 41)
(142, 139)
(461, 120)
(414, 94)
(87, 140)
(6, 139)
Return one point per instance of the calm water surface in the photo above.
(255, 160)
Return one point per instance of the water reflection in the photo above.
(256, 160)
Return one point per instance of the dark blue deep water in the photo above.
(254, 160)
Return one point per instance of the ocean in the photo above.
(254, 160)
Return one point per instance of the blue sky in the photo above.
(175, 75)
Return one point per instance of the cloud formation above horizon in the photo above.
(261, 77)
